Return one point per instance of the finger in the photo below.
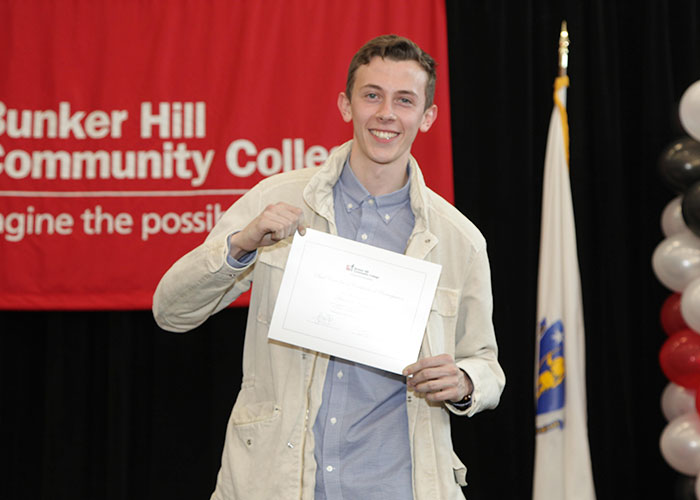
(435, 382)
(432, 361)
(433, 373)
(281, 215)
(279, 223)
(301, 227)
(445, 389)
(416, 367)
(431, 386)
(449, 394)
(282, 231)
(288, 211)
(291, 217)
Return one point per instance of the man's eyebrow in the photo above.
(372, 86)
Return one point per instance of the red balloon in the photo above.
(671, 319)
(680, 358)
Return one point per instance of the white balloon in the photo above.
(672, 217)
(680, 443)
(690, 304)
(676, 400)
(689, 110)
(676, 260)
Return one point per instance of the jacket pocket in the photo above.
(459, 469)
(253, 424)
(254, 412)
(445, 302)
(251, 454)
(442, 322)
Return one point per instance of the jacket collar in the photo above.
(318, 193)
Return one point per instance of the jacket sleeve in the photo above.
(202, 282)
(476, 351)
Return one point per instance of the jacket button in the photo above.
(249, 442)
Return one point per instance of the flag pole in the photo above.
(562, 81)
(562, 469)
(563, 49)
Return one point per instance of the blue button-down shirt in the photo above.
(362, 449)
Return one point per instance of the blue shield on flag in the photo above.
(552, 368)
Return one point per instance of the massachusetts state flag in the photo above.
(562, 459)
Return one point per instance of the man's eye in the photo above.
(371, 95)
(405, 100)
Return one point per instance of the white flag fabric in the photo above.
(562, 458)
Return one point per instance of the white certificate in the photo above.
(354, 301)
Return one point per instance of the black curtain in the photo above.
(106, 405)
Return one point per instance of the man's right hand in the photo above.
(275, 223)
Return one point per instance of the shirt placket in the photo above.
(332, 432)
(368, 221)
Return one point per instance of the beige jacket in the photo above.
(269, 440)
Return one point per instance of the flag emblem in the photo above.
(552, 368)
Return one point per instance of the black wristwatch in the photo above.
(465, 404)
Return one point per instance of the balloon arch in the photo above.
(676, 263)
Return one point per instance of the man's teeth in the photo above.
(384, 135)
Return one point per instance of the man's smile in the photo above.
(383, 134)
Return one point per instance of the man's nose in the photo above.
(386, 111)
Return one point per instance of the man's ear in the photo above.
(344, 107)
(429, 117)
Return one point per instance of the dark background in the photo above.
(105, 405)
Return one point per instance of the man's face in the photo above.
(387, 110)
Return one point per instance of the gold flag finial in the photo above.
(563, 49)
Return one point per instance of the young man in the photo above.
(307, 425)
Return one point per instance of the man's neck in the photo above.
(380, 179)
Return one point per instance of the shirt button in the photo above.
(349, 206)
(329, 468)
(333, 420)
(371, 201)
(387, 217)
(340, 374)
(364, 236)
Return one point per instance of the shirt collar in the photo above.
(320, 190)
(354, 193)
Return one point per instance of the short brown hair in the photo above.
(394, 48)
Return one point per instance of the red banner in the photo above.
(127, 128)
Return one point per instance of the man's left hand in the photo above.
(439, 378)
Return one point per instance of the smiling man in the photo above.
(387, 103)
(312, 426)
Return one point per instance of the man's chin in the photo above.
(384, 154)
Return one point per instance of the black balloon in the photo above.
(690, 207)
(679, 164)
(684, 489)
